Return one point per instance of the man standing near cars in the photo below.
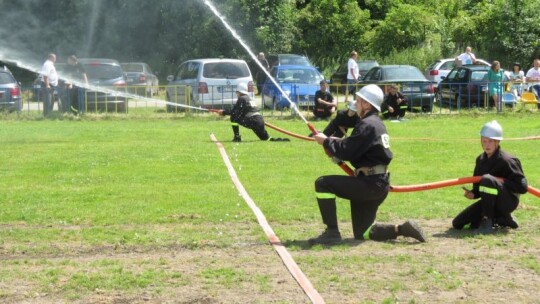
(467, 57)
(74, 72)
(261, 72)
(325, 104)
(49, 81)
(352, 74)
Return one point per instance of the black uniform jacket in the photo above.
(242, 109)
(501, 164)
(368, 145)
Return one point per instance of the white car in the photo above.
(442, 67)
(208, 83)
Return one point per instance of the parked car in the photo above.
(339, 78)
(417, 89)
(440, 68)
(288, 59)
(464, 87)
(140, 78)
(109, 81)
(10, 92)
(208, 83)
(297, 82)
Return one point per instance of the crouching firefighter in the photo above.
(368, 150)
(498, 191)
(245, 113)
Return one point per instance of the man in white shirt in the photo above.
(467, 57)
(352, 74)
(533, 79)
(49, 81)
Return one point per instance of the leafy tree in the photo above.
(331, 29)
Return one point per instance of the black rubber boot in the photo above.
(383, 232)
(330, 236)
(411, 229)
(506, 221)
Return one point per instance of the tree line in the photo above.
(164, 33)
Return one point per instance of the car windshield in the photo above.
(479, 75)
(228, 70)
(102, 71)
(132, 67)
(307, 76)
(6, 78)
(293, 60)
(399, 73)
(366, 65)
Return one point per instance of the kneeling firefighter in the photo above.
(368, 150)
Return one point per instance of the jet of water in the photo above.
(255, 59)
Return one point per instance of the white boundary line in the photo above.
(287, 259)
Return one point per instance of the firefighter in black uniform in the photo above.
(502, 182)
(245, 113)
(325, 104)
(345, 119)
(394, 105)
(368, 150)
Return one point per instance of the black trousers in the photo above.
(491, 205)
(365, 193)
(255, 123)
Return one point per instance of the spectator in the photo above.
(352, 74)
(345, 119)
(325, 104)
(533, 79)
(368, 150)
(497, 198)
(518, 78)
(495, 83)
(75, 72)
(394, 105)
(263, 68)
(466, 58)
(49, 82)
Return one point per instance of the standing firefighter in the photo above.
(368, 150)
(502, 182)
(245, 113)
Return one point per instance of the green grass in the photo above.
(148, 181)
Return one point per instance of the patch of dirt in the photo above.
(452, 267)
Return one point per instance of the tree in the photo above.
(331, 29)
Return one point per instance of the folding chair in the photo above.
(509, 99)
(528, 98)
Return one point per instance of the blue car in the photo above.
(297, 82)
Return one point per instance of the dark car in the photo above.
(419, 91)
(464, 87)
(107, 85)
(10, 92)
(298, 83)
(140, 78)
(339, 78)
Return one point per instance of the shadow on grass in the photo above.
(452, 233)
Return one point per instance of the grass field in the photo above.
(141, 209)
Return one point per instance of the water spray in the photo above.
(292, 105)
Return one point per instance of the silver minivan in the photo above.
(208, 83)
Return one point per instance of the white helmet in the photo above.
(492, 130)
(372, 94)
(242, 87)
(352, 106)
